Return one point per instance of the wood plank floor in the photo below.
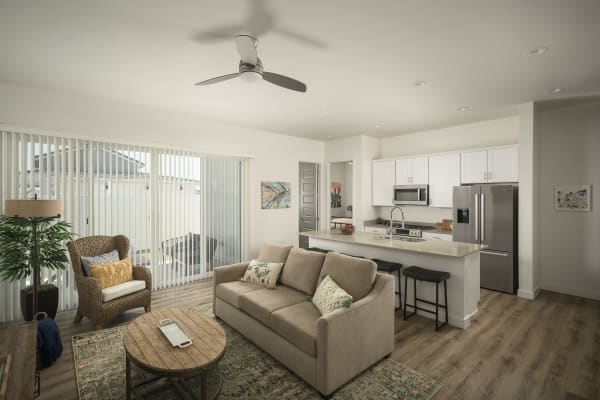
(514, 349)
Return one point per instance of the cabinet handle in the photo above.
(476, 216)
(482, 217)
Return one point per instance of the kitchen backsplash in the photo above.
(418, 213)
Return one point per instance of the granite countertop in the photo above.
(436, 247)
(434, 228)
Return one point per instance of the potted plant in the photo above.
(23, 244)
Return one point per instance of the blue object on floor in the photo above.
(48, 342)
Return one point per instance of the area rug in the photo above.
(247, 373)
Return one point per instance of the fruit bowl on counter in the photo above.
(347, 229)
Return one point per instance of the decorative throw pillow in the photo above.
(112, 274)
(87, 262)
(263, 273)
(329, 296)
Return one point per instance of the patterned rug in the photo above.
(247, 371)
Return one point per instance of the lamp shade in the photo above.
(33, 208)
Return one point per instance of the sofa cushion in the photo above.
(122, 289)
(275, 253)
(263, 273)
(87, 262)
(329, 296)
(298, 325)
(231, 291)
(301, 270)
(261, 303)
(113, 273)
(355, 275)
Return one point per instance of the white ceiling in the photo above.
(359, 58)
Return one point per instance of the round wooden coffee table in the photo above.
(148, 348)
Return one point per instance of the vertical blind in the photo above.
(182, 211)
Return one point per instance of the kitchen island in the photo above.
(461, 260)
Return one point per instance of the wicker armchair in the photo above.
(90, 292)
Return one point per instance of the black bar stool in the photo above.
(392, 268)
(426, 275)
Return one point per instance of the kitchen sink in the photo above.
(401, 238)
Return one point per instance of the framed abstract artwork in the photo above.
(336, 194)
(275, 194)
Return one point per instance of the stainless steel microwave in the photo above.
(415, 195)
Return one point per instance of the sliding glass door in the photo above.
(182, 211)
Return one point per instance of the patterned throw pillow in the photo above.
(112, 274)
(262, 272)
(329, 296)
(87, 262)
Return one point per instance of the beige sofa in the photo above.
(327, 350)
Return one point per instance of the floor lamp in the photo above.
(34, 211)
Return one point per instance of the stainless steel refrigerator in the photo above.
(487, 214)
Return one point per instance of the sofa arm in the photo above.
(141, 273)
(349, 340)
(227, 273)
(90, 296)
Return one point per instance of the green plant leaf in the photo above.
(16, 246)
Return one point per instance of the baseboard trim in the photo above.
(588, 294)
(528, 294)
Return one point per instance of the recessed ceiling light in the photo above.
(377, 126)
(329, 137)
(420, 83)
(538, 50)
(556, 90)
(463, 108)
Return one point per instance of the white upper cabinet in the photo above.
(403, 171)
(489, 166)
(420, 171)
(444, 174)
(473, 166)
(384, 179)
(503, 164)
(412, 171)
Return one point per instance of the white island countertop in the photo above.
(434, 247)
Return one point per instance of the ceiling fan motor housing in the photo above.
(245, 67)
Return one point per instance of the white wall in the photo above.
(349, 191)
(528, 209)
(494, 132)
(275, 156)
(569, 242)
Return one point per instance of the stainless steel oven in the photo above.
(416, 195)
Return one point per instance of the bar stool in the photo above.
(391, 268)
(426, 275)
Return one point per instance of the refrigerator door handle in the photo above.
(494, 253)
(482, 217)
(476, 216)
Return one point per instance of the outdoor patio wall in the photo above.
(272, 156)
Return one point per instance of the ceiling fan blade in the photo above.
(284, 81)
(218, 79)
(246, 46)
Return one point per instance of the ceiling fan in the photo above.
(251, 68)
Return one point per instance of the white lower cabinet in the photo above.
(437, 236)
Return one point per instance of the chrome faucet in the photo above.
(392, 219)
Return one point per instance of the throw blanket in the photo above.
(48, 342)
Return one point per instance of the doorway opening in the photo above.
(341, 194)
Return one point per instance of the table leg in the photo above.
(127, 378)
(203, 389)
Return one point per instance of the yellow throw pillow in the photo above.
(113, 273)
